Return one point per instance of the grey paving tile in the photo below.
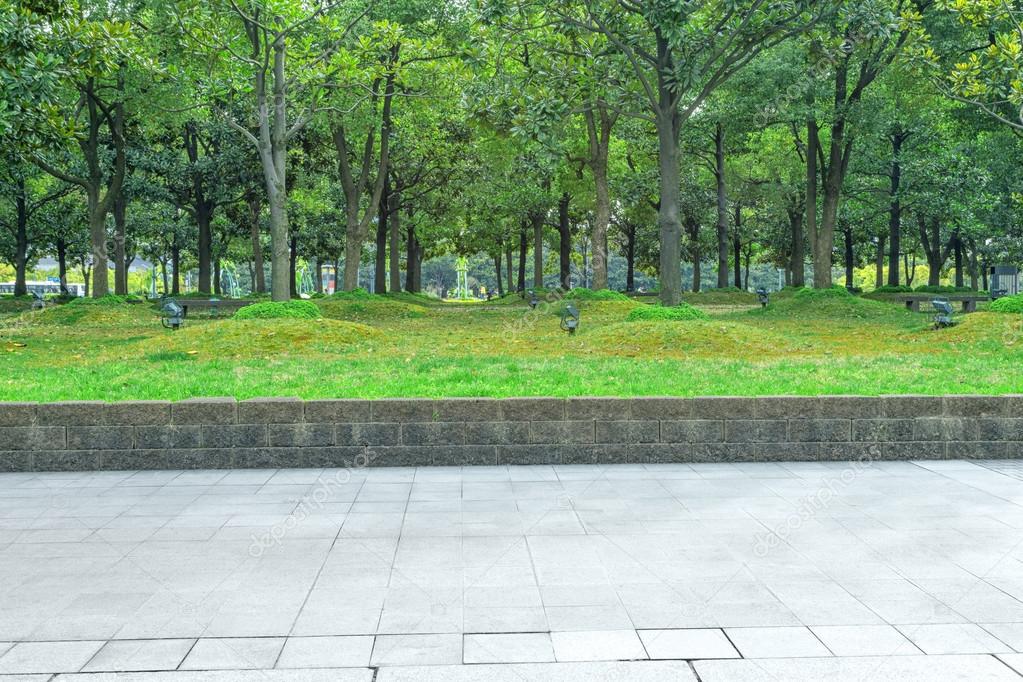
(326, 652)
(144, 655)
(234, 653)
(606, 645)
(864, 640)
(508, 648)
(633, 671)
(425, 649)
(1010, 633)
(47, 657)
(958, 638)
(335, 675)
(1014, 661)
(857, 669)
(781, 642)
(697, 643)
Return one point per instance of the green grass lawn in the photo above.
(403, 346)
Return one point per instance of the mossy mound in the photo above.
(698, 338)
(278, 310)
(680, 312)
(86, 312)
(835, 304)
(367, 308)
(583, 294)
(1008, 304)
(725, 296)
(269, 338)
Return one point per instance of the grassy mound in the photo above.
(836, 304)
(365, 307)
(683, 311)
(583, 294)
(725, 296)
(704, 338)
(1008, 304)
(255, 338)
(87, 312)
(276, 310)
(900, 289)
(942, 289)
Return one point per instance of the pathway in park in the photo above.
(801, 571)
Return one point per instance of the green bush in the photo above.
(810, 294)
(1008, 304)
(683, 311)
(271, 310)
(582, 294)
(900, 289)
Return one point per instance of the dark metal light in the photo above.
(570, 318)
(763, 297)
(173, 314)
(944, 316)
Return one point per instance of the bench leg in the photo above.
(969, 306)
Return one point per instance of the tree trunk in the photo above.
(21, 241)
(737, 247)
(259, 280)
(62, 266)
(497, 271)
(722, 205)
(537, 220)
(394, 249)
(974, 262)
(798, 251)
(317, 275)
(508, 260)
(280, 246)
(668, 223)
(895, 211)
(879, 264)
(957, 244)
(693, 232)
(176, 264)
(565, 246)
(120, 236)
(523, 246)
(930, 239)
(630, 258)
(87, 277)
(812, 142)
(599, 137)
(849, 255)
(293, 267)
(412, 279)
(380, 260)
(217, 288)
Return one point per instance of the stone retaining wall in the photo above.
(283, 432)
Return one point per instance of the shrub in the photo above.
(582, 294)
(270, 310)
(683, 311)
(1008, 304)
(900, 289)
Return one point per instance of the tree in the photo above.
(679, 59)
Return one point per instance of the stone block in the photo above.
(692, 431)
(270, 411)
(100, 437)
(204, 411)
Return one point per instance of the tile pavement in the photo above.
(905, 570)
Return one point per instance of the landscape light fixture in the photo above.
(533, 300)
(570, 318)
(763, 297)
(173, 314)
(38, 302)
(944, 316)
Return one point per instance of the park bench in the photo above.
(212, 305)
(968, 301)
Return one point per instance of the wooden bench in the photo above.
(969, 301)
(229, 305)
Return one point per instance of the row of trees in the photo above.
(796, 133)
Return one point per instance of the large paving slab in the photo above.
(740, 571)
